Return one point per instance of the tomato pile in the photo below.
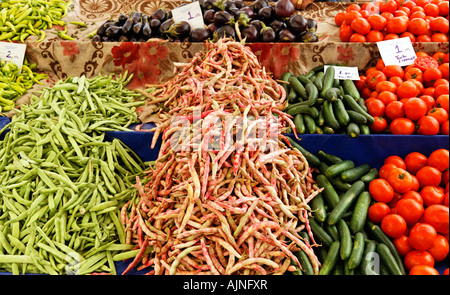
(411, 197)
(409, 100)
(420, 20)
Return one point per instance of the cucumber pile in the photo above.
(350, 243)
(321, 104)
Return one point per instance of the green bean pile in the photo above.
(61, 184)
(22, 18)
(14, 83)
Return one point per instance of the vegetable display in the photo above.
(421, 21)
(408, 100)
(256, 22)
(321, 104)
(341, 221)
(22, 18)
(412, 208)
(62, 184)
(14, 82)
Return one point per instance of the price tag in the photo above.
(13, 52)
(191, 13)
(397, 52)
(344, 73)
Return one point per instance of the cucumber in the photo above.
(305, 79)
(380, 236)
(356, 117)
(305, 263)
(365, 266)
(328, 130)
(310, 124)
(313, 93)
(336, 169)
(313, 161)
(388, 259)
(322, 167)
(337, 84)
(292, 105)
(350, 89)
(362, 104)
(328, 80)
(353, 130)
(338, 270)
(365, 130)
(359, 215)
(318, 208)
(329, 158)
(332, 94)
(320, 119)
(341, 113)
(298, 87)
(345, 238)
(303, 109)
(351, 103)
(318, 130)
(328, 113)
(319, 68)
(329, 193)
(320, 233)
(357, 251)
(331, 259)
(332, 231)
(285, 78)
(292, 95)
(371, 175)
(318, 82)
(299, 124)
(339, 185)
(345, 202)
(352, 175)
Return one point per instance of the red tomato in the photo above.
(422, 236)
(439, 159)
(394, 110)
(403, 126)
(432, 195)
(415, 108)
(407, 89)
(429, 176)
(393, 225)
(410, 210)
(415, 161)
(385, 170)
(361, 26)
(442, 102)
(429, 101)
(377, 22)
(388, 6)
(445, 129)
(380, 125)
(413, 195)
(439, 250)
(402, 245)
(378, 211)
(439, 114)
(381, 190)
(438, 217)
(417, 257)
(396, 160)
(400, 180)
(425, 62)
(415, 183)
(428, 125)
(374, 78)
(375, 108)
(423, 270)
(418, 26)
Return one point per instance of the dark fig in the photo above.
(266, 14)
(159, 14)
(312, 25)
(286, 36)
(268, 34)
(309, 37)
(179, 30)
(225, 31)
(258, 4)
(165, 26)
(251, 14)
(113, 31)
(297, 24)
(154, 25)
(137, 16)
(284, 8)
(278, 25)
(250, 34)
(97, 38)
(239, 3)
(199, 35)
(146, 29)
(122, 19)
(101, 30)
(137, 28)
(212, 28)
(208, 16)
(222, 18)
(208, 4)
(257, 24)
(127, 26)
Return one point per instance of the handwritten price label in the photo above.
(13, 52)
(345, 73)
(397, 52)
(190, 13)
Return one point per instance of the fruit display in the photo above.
(408, 100)
(255, 22)
(419, 20)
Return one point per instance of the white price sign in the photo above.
(397, 52)
(13, 52)
(344, 73)
(190, 13)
